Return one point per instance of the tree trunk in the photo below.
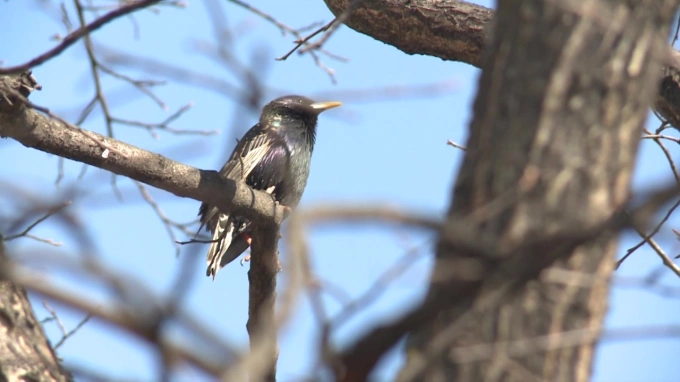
(564, 92)
(25, 352)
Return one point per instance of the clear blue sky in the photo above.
(391, 152)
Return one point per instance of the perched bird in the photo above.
(273, 156)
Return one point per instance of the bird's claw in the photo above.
(245, 259)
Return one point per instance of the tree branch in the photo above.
(458, 31)
(79, 33)
(33, 129)
(264, 267)
(20, 120)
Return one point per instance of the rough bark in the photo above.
(457, 31)
(562, 99)
(25, 353)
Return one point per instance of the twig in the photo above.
(456, 145)
(300, 42)
(99, 92)
(367, 214)
(668, 155)
(54, 317)
(665, 259)
(167, 222)
(661, 136)
(141, 85)
(286, 29)
(164, 124)
(25, 232)
(332, 27)
(64, 334)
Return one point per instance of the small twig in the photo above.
(661, 136)
(25, 232)
(94, 69)
(64, 334)
(665, 259)
(55, 318)
(43, 240)
(167, 222)
(286, 29)
(668, 155)
(300, 42)
(367, 214)
(456, 145)
(141, 85)
(164, 124)
(332, 27)
(73, 331)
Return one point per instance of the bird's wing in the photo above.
(261, 157)
(249, 151)
(272, 168)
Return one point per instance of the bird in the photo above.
(273, 156)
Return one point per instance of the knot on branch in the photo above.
(16, 88)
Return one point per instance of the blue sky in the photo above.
(378, 151)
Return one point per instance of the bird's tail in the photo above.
(222, 238)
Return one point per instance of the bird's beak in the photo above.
(323, 106)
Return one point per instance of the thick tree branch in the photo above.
(451, 30)
(457, 31)
(33, 129)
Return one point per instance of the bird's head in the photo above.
(295, 108)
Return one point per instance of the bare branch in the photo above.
(456, 145)
(81, 32)
(25, 232)
(286, 29)
(35, 130)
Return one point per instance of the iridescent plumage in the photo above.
(273, 156)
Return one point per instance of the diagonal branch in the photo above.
(72, 38)
(33, 129)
